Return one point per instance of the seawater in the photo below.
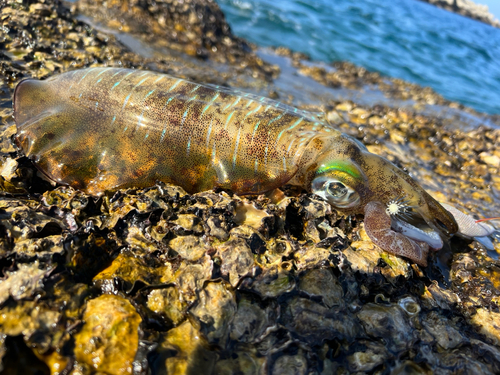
(456, 56)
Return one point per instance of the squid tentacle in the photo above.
(378, 228)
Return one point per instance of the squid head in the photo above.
(400, 216)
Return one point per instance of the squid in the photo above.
(102, 129)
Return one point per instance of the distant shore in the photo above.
(467, 8)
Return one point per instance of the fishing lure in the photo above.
(102, 129)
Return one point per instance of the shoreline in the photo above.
(467, 8)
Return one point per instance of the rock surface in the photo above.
(467, 8)
(157, 280)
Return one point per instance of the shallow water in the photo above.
(456, 56)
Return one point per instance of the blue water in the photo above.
(456, 56)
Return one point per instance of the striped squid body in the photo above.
(101, 129)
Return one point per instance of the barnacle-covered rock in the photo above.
(389, 322)
(369, 358)
(445, 335)
(487, 323)
(24, 282)
(188, 247)
(252, 321)
(287, 364)
(316, 323)
(215, 310)
(273, 281)
(237, 260)
(162, 281)
(322, 283)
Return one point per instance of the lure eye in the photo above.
(335, 192)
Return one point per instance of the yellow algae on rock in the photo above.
(131, 269)
(488, 323)
(190, 248)
(169, 303)
(109, 338)
(364, 255)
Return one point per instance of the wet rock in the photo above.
(228, 284)
(190, 278)
(437, 296)
(195, 27)
(442, 331)
(248, 214)
(130, 270)
(215, 310)
(109, 339)
(372, 356)
(241, 362)
(24, 282)
(188, 223)
(316, 323)
(217, 228)
(167, 302)
(272, 282)
(189, 247)
(287, 364)
(322, 283)
(488, 324)
(389, 322)
(237, 260)
(183, 350)
(449, 363)
(252, 321)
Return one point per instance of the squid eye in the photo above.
(336, 189)
(335, 192)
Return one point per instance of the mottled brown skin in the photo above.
(103, 129)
